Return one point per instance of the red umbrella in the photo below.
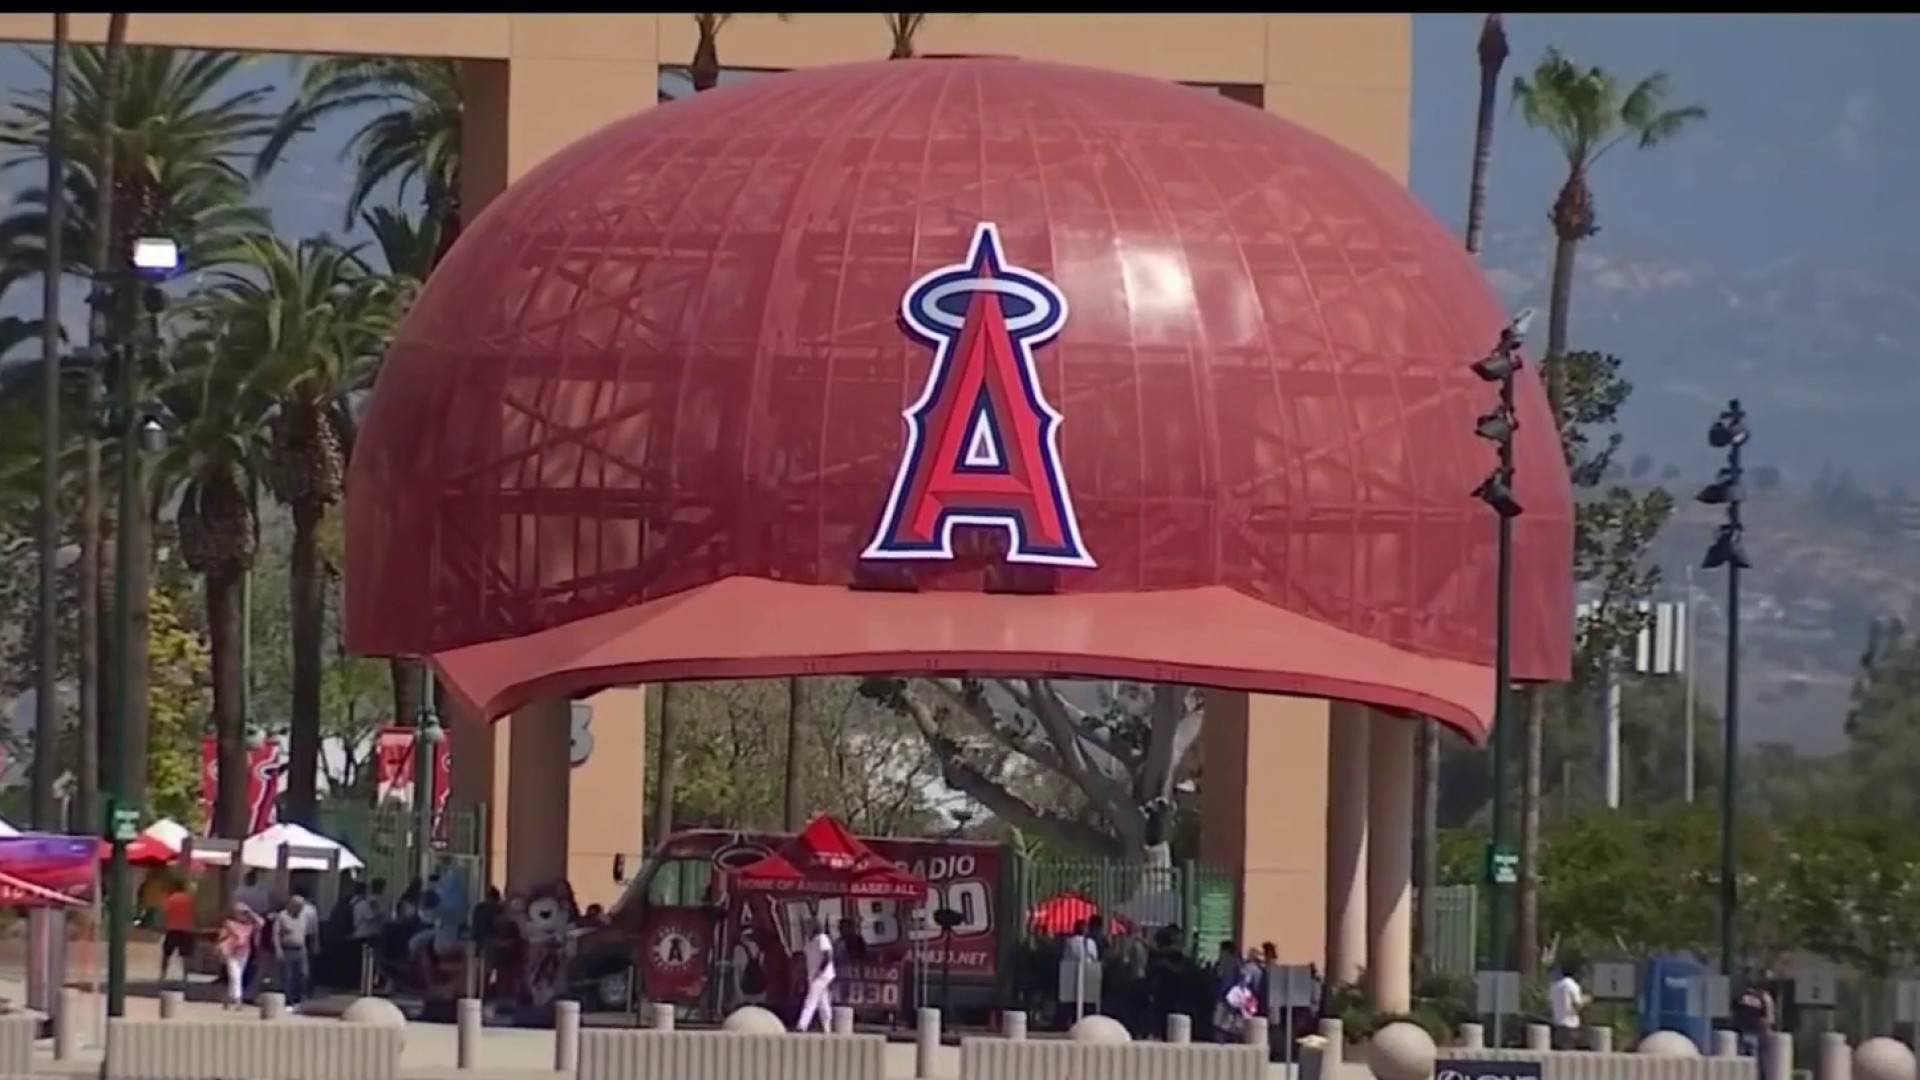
(142, 850)
(1058, 914)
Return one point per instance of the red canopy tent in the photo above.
(827, 860)
(1059, 913)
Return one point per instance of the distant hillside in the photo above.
(1828, 559)
(1823, 351)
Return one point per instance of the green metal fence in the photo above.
(1453, 923)
(1196, 898)
(383, 836)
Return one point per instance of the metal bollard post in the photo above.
(663, 1016)
(1835, 1060)
(1013, 1024)
(369, 966)
(1539, 1037)
(1473, 1037)
(926, 1043)
(273, 1004)
(170, 1002)
(1257, 1032)
(1179, 1028)
(467, 1017)
(1601, 1040)
(566, 1036)
(1776, 1057)
(1726, 1043)
(67, 1018)
(842, 1020)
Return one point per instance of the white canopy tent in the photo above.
(262, 849)
(7, 831)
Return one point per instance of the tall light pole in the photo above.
(140, 433)
(1729, 433)
(1499, 427)
(1693, 766)
(427, 736)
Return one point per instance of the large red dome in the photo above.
(647, 417)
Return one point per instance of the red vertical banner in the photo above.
(393, 773)
(266, 768)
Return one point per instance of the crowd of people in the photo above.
(1145, 978)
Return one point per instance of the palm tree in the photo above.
(903, 28)
(178, 135)
(210, 468)
(1588, 112)
(312, 319)
(112, 60)
(1493, 53)
(413, 141)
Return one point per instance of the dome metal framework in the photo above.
(644, 420)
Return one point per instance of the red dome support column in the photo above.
(1390, 864)
(1348, 770)
(1268, 834)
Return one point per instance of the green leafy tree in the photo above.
(178, 701)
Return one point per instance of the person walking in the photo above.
(819, 954)
(180, 924)
(1565, 999)
(235, 944)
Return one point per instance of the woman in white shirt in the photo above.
(819, 953)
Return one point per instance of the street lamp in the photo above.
(428, 735)
(150, 261)
(1501, 366)
(1729, 433)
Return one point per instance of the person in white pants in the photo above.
(819, 1002)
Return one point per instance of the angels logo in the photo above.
(266, 769)
(983, 442)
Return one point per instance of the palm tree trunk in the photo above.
(46, 712)
(1526, 936)
(704, 71)
(666, 776)
(112, 60)
(1559, 304)
(135, 741)
(1493, 56)
(791, 802)
(231, 815)
(408, 675)
(308, 616)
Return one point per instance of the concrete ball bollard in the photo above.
(1668, 1044)
(752, 1020)
(1401, 1051)
(1883, 1059)
(378, 1012)
(1094, 1028)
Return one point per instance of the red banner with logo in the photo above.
(266, 767)
(393, 772)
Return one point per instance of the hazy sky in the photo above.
(1808, 150)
